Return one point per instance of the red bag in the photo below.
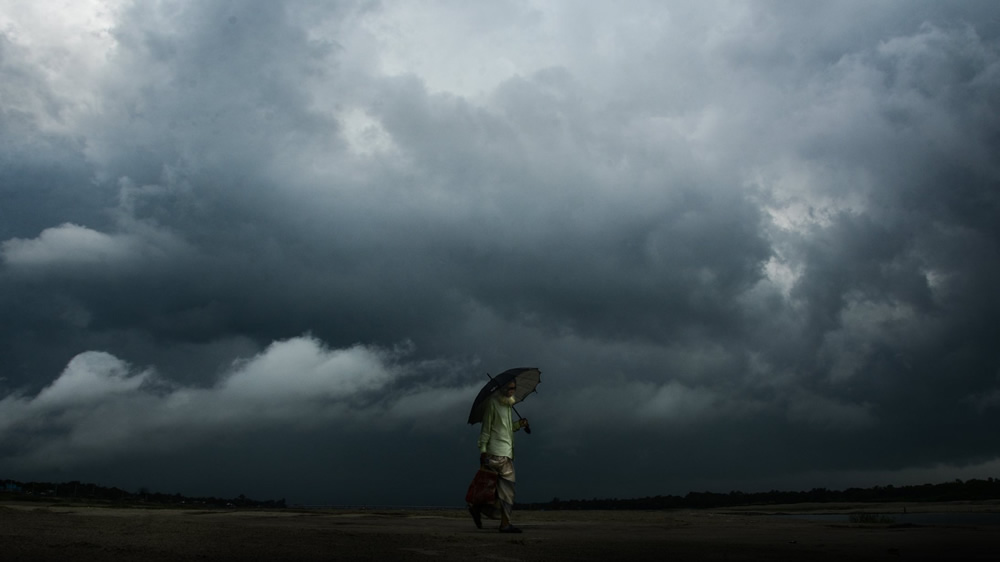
(483, 488)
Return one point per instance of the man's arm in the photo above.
(484, 433)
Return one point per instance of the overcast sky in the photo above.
(273, 248)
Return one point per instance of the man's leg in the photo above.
(505, 491)
(477, 516)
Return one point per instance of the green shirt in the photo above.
(497, 434)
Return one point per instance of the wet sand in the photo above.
(33, 531)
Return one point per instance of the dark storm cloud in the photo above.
(756, 236)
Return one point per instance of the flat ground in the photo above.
(38, 531)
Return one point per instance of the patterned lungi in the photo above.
(504, 504)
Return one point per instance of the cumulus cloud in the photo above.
(101, 406)
(89, 378)
(138, 241)
(71, 244)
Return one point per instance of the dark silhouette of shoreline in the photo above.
(93, 493)
(957, 490)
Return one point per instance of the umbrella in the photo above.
(527, 379)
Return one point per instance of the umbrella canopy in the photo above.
(527, 379)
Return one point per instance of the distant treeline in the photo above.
(93, 493)
(969, 490)
(958, 490)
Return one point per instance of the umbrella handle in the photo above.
(527, 428)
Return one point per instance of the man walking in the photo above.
(496, 452)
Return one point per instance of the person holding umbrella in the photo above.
(494, 407)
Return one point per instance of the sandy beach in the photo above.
(38, 531)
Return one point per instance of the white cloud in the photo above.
(783, 275)
(91, 377)
(66, 44)
(463, 49)
(301, 369)
(138, 243)
(101, 407)
(70, 244)
(365, 134)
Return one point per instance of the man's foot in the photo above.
(474, 511)
(510, 529)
